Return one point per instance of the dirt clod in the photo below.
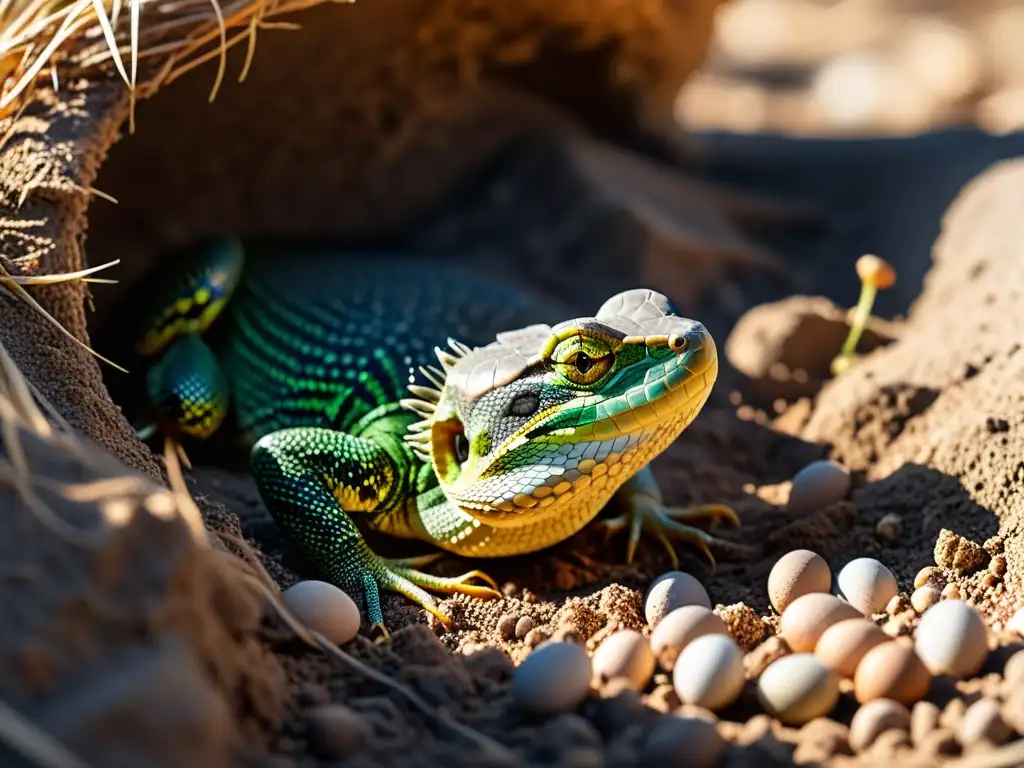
(959, 554)
(743, 623)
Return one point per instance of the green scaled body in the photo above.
(535, 420)
(313, 352)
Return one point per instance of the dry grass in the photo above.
(43, 40)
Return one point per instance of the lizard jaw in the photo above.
(587, 464)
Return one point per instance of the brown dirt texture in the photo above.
(142, 646)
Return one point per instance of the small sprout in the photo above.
(875, 274)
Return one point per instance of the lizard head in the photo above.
(545, 417)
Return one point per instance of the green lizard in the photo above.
(525, 428)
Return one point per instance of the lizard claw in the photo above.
(647, 512)
(400, 575)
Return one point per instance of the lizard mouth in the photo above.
(549, 466)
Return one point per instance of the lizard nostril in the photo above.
(678, 343)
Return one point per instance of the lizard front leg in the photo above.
(643, 507)
(313, 479)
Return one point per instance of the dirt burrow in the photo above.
(932, 425)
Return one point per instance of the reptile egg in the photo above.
(817, 485)
(323, 608)
(843, 645)
(874, 718)
(709, 672)
(796, 574)
(894, 671)
(806, 619)
(798, 688)
(624, 654)
(951, 639)
(670, 591)
(867, 585)
(555, 677)
(680, 628)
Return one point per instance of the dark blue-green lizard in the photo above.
(436, 404)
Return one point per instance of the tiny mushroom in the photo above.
(875, 274)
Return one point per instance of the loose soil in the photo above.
(931, 423)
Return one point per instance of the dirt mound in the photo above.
(145, 648)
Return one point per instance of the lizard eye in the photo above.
(525, 404)
(460, 448)
(583, 360)
(583, 369)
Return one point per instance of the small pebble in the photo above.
(663, 699)
(867, 585)
(523, 627)
(819, 740)
(323, 608)
(757, 661)
(997, 566)
(798, 688)
(806, 619)
(1016, 622)
(888, 528)
(507, 626)
(983, 723)
(924, 718)
(941, 741)
(709, 672)
(625, 654)
(684, 741)
(898, 604)
(891, 671)
(1013, 670)
(874, 718)
(950, 592)
(952, 639)
(534, 638)
(924, 598)
(842, 646)
(334, 731)
(553, 678)
(670, 591)
(796, 574)
(817, 485)
(925, 575)
(679, 628)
